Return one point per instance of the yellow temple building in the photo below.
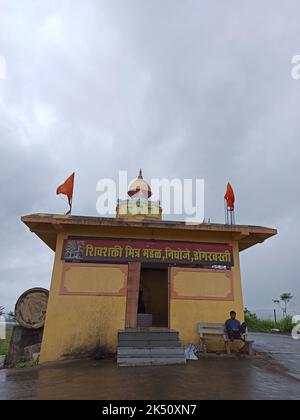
(137, 272)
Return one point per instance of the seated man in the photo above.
(234, 328)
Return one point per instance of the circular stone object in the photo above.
(31, 308)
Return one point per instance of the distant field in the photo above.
(4, 344)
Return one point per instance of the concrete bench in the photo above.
(213, 331)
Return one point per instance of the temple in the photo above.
(139, 206)
(137, 273)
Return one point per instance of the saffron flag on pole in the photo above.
(230, 197)
(67, 189)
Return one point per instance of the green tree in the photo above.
(2, 309)
(283, 302)
(249, 314)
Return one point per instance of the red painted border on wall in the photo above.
(68, 266)
(174, 295)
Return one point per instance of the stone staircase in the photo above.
(149, 347)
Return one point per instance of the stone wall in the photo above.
(22, 337)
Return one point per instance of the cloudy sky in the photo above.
(181, 88)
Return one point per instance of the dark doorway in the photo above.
(153, 307)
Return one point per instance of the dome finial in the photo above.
(139, 206)
(140, 188)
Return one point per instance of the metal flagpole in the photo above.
(71, 201)
(226, 212)
(70, 204)
(65, 201)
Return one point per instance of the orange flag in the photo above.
(67, 189)
(230, 197)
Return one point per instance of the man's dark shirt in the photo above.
(233, 325)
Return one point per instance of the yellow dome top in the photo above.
(140, 188)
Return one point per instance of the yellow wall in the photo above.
(82, 320)
(186, 314)
(76, 322)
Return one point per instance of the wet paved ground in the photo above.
(215, 377)
(281, 348)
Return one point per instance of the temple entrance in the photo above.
(153, 305)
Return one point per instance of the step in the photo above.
(149, 343)
(130, 356)
(141, 352)
(148, 339)
(148, 335)
(149, 347)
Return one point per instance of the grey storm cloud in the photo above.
(183, 89)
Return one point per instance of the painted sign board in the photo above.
(96, 250)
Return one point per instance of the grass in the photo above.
(4, 347)
(4, 344)
(264, 325)
(25, 364)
